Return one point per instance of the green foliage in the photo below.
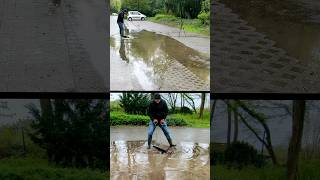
(12, 141)
(308, 170)
(115, 106)
(38, 169)
(65, 128)
(204, 17)
(135, 103)
(182, 110)
(185, 110)
(193, 120)
(183, 8)
(115, 6)
(120, 118)
(189, 25)
(240, 154)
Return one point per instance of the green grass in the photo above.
(193, 120)
(38, 169)
(309, 170)
(189, 25)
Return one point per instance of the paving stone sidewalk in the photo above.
(39, 51)
(245, 61)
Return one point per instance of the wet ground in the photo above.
(153, 61)
(280, 51)
(48, 49)
(130, 158)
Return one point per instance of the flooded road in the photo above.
(130, 158)
(298, 34)
(151, 61)
(251, 46)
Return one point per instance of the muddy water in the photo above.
(148, 57)
(130, 158)
(298, 35)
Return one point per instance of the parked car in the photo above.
(136, 15)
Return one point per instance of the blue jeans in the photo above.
(164, 128)
(121, 27)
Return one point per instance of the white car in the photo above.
(136, 15)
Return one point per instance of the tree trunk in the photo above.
(235, 125)
(295, 141)
(229, 125)
(203, 99)
(213, 107)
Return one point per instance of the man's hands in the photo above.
(155, 121)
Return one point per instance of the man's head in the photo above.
(157, 98)
(125, 11)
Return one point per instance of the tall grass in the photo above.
(308, 170)
(38, 169)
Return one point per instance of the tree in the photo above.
(261, 119)
(183, 8)
(236, 124)
(65, 128)
(203, 100)
(229, 123)
(115, 6)
(172, 100)
(295, 141)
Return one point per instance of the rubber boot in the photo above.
(170, 142)
(149, 143)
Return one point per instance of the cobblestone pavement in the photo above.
(40, 52)
(245, 61)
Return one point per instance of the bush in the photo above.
(135, 103)
(204, 17)
(119, 118)
(240, 154)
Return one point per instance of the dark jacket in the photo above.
(120, 17)
(158, 111)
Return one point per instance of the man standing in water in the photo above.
(158, 111)
(120, 22)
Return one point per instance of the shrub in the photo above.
(204, 17)
(240, 154)
(119, 118)
(135, 103)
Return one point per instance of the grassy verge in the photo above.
(308, 170)
(191, 120)
(189, 25)
(38, 169)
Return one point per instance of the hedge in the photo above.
(120, 118)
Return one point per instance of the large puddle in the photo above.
(155, 62)
(295, 34)
(130, 158)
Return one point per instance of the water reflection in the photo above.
(132, 160)
(152, 57)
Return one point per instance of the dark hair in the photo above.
(125, 10)
(157, 96)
